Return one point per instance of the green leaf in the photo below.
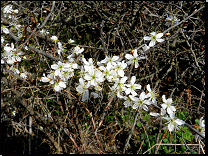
(197, 122)
(166, 150)
(165, 140)
(142, 136)
(139, 124)
(109, 118)
(183, 148)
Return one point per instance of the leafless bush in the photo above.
(174, 67)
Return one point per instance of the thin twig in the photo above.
(69, 134)
(132, 129)
(184, 19)
(170, 145)
(43, 53)
(164, 135)
(49, 15)
(102, 39)
(184, 140)
(99, 145)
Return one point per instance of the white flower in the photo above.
(134, 59)
(71, 57)
(95, 77)
(54, 38)
(70, 41)
(16, 26)
(145, 47)
(4, 29)
(15, 11)
(82, 72)
(154, 37)
(111, 60)
(151, 94)
(2, 39)
(14, 113)
(2, 61)
(119, 83)
(70, 66)
(162, 113)
(88, 65)
(132, 86)
(8, 9)
(201, 128)
(51, 78)
(113, 75)
(83, 89)
(128, 102)
(95, 95)
(26, 48)
(58, 68)
(11, 60)
(17, 57)
(44, 78)
(23, 75)
(171, 20)
(107, 72)
(77, 50)
(9, 49)
(16, 71)
(59, 85)
(173, 122)
(134, 98)
(201, 122)
(11, 55)
(60, 48)
(120, 68)
(141, 102)
(167, 104)
(44, 32)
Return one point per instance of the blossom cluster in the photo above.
(61, 72)
(8, 11)
(92, 76)
(12, 56)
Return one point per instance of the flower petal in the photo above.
(153, 33)
(135, 53)
(160, 40)
(170, 127)
(133, 79)
(164, 99)
(62, 84)
(152, 43)
(145, 108)
(154, 114)
(172, 108)
(169, 111)
(148, 88)
(147, 102)
(169, 100)
(164, 106)
(179, 122)
(137, 86)
(136, 64)
(128, 56)
(147, 38)
(159, 35)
